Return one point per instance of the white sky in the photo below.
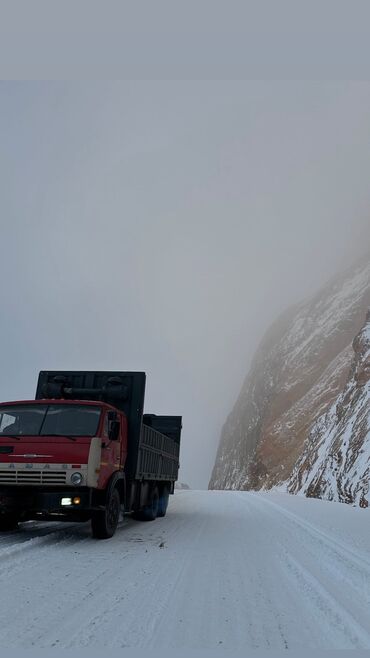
(161, 226)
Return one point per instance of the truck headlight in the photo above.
(76, 478)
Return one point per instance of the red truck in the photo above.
(84, 450)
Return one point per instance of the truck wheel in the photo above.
(163, 502)
(104, 523)
(149, 512)
(8, 522)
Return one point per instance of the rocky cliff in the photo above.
(304, 368)
(335, 463)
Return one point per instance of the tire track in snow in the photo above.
(331, 614)
(103, 593)
(214, 583)
(232, 573)
(358, 558)
(343, 562)
(13, 557)
(329, 567)
(145, 606)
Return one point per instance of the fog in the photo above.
(161, 226)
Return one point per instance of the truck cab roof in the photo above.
(96, 403)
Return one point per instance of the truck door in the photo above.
(123, 439)
(116, 450)
(110, 452)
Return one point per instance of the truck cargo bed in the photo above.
(158, 457)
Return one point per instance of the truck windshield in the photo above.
(51, 419)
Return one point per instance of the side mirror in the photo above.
(114, 426)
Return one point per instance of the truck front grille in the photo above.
(32, 477)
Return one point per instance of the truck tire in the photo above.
(149, 512)
(8, 522)
(104, 523)
(163, 502)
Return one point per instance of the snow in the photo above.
(342, 474)
(224, 571)
(323, 317)
(327, 385)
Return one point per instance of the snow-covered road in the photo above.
(231, 570)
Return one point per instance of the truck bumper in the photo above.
(31, 503)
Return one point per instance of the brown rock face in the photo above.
(300, 369)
